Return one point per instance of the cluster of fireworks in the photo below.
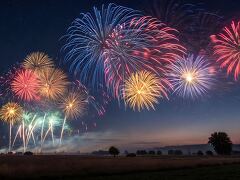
(139, 59)
(123, 54)
(36, 87)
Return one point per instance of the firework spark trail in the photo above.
(51, 125)
(49, 129)
(42, 129)
(30, 130)
(17, 133)
(73, 105)
(23, 136)
(63, 126)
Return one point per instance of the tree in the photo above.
(221, 143)
(113, 151)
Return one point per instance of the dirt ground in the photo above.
(40, 166)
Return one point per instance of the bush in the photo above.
(200, 153)
(28, 153)
(10, 153)
(131, 155)
(209, 153)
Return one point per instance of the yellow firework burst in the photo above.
(11, 112)
(74, 104)
(53, 83)
(38, 62)
(142, 90)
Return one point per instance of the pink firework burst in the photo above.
(227, 48)
(25, 85)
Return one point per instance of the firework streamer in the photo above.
(42, 130)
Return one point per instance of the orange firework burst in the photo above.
(143, 89)
(25, 85)
(74, 104)
(11, 112)
(227, 48)
(53, 83)
(38, 62)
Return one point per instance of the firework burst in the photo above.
(11, 112)
(86, 40)
(227, 48)
(142, 90)
(191, 76)
(127, 42)
(74, 104)
(38, 62)
(142, 44)
(53, 83)
(25, 85)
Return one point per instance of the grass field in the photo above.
(75, 167)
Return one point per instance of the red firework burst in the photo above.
(25, 85)
(227, 48)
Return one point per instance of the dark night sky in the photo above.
(28, 26)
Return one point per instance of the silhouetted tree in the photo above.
(113, 151)
(221, 143)
(200, 153)
(209, 153)
(159, 152)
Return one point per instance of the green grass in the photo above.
(224, 172)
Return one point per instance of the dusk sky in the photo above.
(28, 26)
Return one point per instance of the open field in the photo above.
(64, 166)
